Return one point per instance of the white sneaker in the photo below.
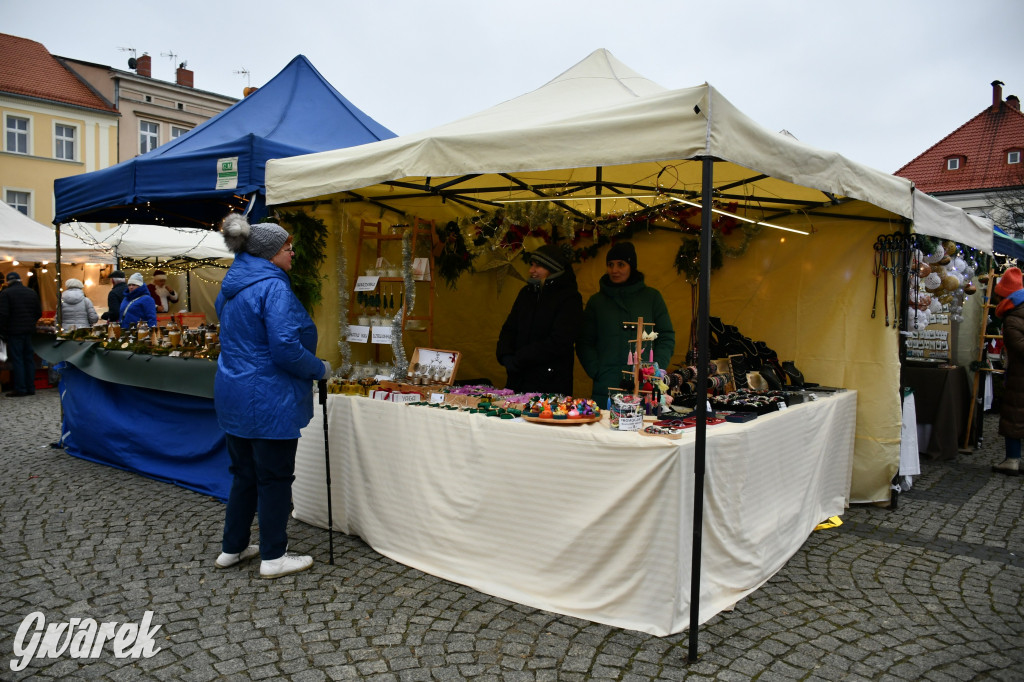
(286, 565)
(226, 560)
(1010, 467)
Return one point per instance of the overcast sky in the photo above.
(878, 81)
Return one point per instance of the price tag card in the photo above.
(406, 397)
(174, 354)
(365, 283)
(381, 334)
(782, 406)
(437, 397)
(358, 333)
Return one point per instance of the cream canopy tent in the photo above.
(23, 239)
(600, 141)
(603, 131)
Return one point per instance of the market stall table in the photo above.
(143, 413)
(942, 396)
(579, 520)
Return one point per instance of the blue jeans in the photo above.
(263, 472)
(23, 362)
(1012, 448)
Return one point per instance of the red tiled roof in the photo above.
(28, 69)
(982, 143)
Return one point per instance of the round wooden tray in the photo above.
(562, 422)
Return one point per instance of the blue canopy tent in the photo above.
(219, 166)
(1007, 245)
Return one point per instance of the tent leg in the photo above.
(700, 445)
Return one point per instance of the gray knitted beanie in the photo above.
(262, 239)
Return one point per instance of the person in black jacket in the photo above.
(115, 296)
(536, 344)
(20, 309)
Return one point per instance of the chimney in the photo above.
(1013, 102)
(184, 76)
(144, 65)
(997, 95)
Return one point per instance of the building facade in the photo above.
(979, 167)
(54, 125)
(152, 111)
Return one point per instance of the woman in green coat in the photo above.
(603, 347)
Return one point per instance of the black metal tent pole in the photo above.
(703, 310)
(57, 314)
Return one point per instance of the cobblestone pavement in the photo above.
(930, 590)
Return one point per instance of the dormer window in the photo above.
(954, 163)
(1013, 157)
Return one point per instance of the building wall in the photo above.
(34, 172)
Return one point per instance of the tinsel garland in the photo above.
(397, 347)
(344, 299)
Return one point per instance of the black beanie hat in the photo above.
(624, 251)
(552, 257)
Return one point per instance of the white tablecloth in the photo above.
(579, 520)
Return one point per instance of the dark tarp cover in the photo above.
(296, 112)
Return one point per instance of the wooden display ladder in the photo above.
(422, 232)
(985, 338)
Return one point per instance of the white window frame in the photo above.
(953, 163)
(178, 131)
(76, 136)
(27, 133)
(1013, 157)
(28, 199)
(155, 136)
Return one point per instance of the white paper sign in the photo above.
(381, 334)
(227, 173)
(406, 397)
(358, 333)
(437, 397)
(632, 423)
(366, 283)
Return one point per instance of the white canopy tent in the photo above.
(23, 239)
(198, 256)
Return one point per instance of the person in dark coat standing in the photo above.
(1009, 295)
(536, 343)
(20, 309)
(115, 296)
(623, 296)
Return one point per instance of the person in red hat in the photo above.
(162, 295)
(1008, 294)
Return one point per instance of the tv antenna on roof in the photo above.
(170, 55)
(244, 72)
(131, 60)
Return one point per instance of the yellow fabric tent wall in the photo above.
(807, 297)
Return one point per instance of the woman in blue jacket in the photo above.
(263, 391)
(134, 306)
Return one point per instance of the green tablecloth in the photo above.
(190, 376)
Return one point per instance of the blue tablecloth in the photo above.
(167, 436)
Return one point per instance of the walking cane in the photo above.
(322, 385)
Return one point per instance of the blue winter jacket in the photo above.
(135, 307)
(267, 356)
